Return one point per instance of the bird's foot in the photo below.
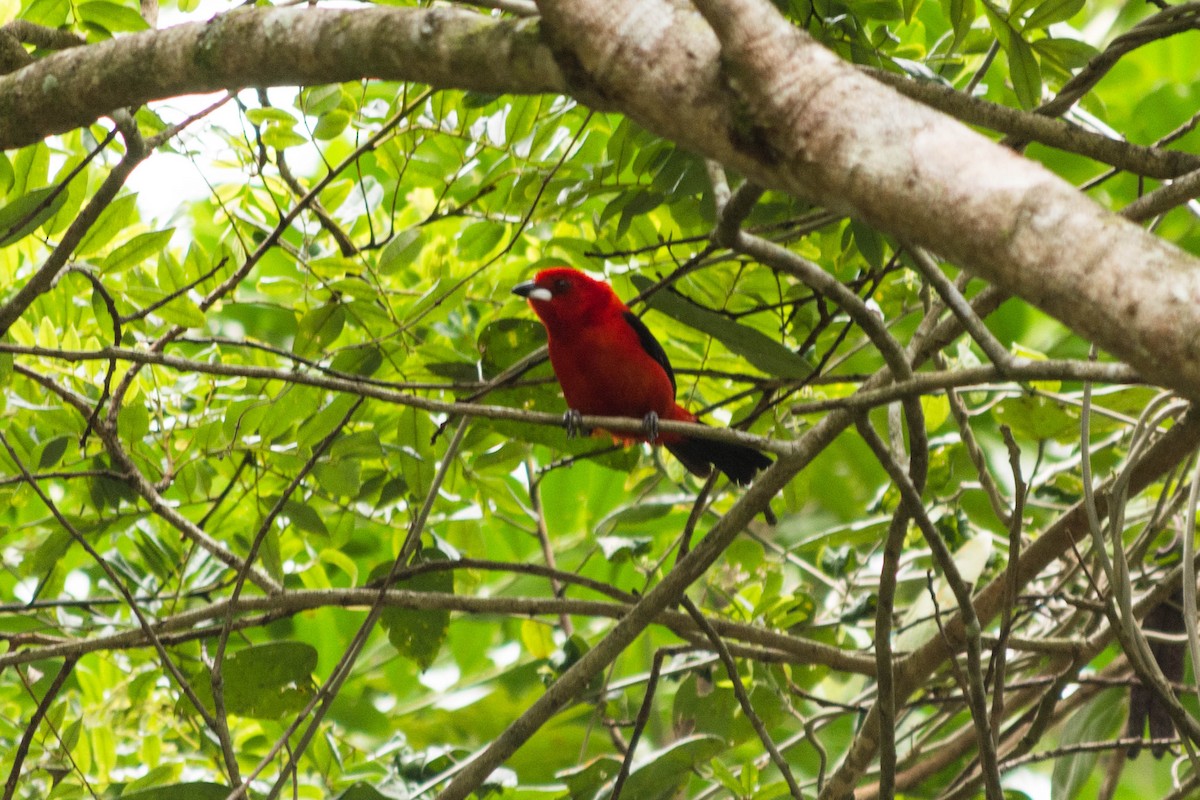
(650, 427)
(573, 422)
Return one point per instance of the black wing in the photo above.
(650, 344)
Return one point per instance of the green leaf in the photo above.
(340, 478)
(658, 775)
(506, 341)
(1024, 72)
(415, 433)
(318, 100)
(267, 681)
(22, 216)
(324, 421)
(869, 243)
(633, 514)
(269, 114)
(641, 203)
(756, 347)
(112, 221)
(1053, 11)
(538, 638)
(6, 174)
(305, 518)
(1098, 721)
(415, 633)
(362, 361)
(319, 328)
(1023, 68)
(479, 239)
(110, 17)
(1037, 418)
(1068, 54)
(6, 369)
(198, 790)
(280, 137)
(402, 251)
(330, 125)
(522, 112)
(962, 14)
(136, 250)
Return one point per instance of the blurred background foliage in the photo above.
(288, 273)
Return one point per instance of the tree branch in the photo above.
(445, 47)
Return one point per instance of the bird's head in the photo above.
(565, 297)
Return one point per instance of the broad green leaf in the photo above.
(478, 240)
(324, 421)
(520, 118)
(538, 638)
(319, 328)
(1037, 418)
(756, 347)
(157, 777)
(76, 193)
(6, 369)
(1024, 71)
(330, 125)
(136, 250)
(318, 100)
(415, 434)
(361, 361)
(417, 633)
(1023, 68)
(181, 791)
(870, 244)
(6, 174)
(281, 137)
(110, 17)
(22, 216)
(402, 251)
(266, 681)
(305, 518)
(632, 515)
(341, 477)
(262, 321)
(1098, 721)
(1053, 11)
(508, 340)
(658, 776)
(31, 168)
(111, 222)
(1068, 54)
(962, 15)
(365, 791)
(263, 116)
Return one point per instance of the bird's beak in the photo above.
(532, 291)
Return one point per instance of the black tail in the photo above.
(740, 464)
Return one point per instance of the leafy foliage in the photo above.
(233, 416)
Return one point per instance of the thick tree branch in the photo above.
(446, 47)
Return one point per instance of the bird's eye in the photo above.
(561, 286)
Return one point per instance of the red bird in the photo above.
(610, 365)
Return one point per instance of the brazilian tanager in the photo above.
(610, 365)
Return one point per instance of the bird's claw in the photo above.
(650, 426)
(573, 422)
